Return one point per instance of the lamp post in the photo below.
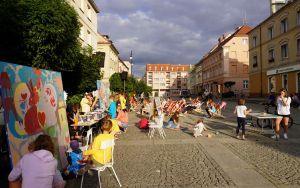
(131, 63)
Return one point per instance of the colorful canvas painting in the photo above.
(104, 93)
(33, 104)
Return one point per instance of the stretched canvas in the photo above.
(33, 105)
(104, 93)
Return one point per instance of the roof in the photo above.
(240, 31)
(92, 2)
(288, 4)
(104, 39)
(167, 67)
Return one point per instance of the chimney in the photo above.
(275, 5)
(219, 40)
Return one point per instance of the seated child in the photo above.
(199, 128)
(173, 123)
(122, 119)
(74, 159)
(95, 154)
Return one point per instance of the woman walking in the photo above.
(283, 112)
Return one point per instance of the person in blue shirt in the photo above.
(112, 109)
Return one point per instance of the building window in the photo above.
(272, 84)
(82, 5)
(89, 38)
(89, 13)
(245, 41)
(284, 51)
(285, 81)
(298, 17)
(254, 41)
(255, 63)
(245, 84)
(284, 25)
(298, 46)
(271, 56)
(81, 32)
(271, 32)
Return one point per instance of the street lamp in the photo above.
(131, 63)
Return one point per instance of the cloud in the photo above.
(173, 31)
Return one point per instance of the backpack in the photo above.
(143, 123)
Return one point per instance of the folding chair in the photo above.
(88, 139)
(159, 127)
(105, 146)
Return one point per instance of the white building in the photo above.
(111, 62)
(87, 11)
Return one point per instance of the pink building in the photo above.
(227, 61)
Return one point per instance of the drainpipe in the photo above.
(261, 73)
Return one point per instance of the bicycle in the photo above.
(268, 122)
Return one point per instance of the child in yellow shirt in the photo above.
(96, 154)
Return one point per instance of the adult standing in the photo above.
(283, 112)
(86, 103)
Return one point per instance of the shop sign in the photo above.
(284, 69)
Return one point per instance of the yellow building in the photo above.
(274, 52)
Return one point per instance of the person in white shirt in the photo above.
(241, 112)
(86, 103)
(283, 112)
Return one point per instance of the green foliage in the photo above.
(229, 84)
(131, 84)
(228, 94)
(75, 99)
(84, 75)
(39, 33)
(116, 84)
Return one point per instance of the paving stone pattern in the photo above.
(279, 162)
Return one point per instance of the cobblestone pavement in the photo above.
(182, 161)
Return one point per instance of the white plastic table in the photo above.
(262, 115)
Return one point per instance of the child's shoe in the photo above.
(285, 136)
(237, 136)
(275, 137)
(243, 137)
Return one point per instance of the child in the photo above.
(38, 168)
(94, 152)
(122, 118)
(199, 128)
(241, 111)
(112, 109)
(174, 121)
(73, 159)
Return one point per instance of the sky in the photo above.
(173, 31)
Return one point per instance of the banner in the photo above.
(33, 104)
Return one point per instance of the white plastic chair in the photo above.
(159, 127)
(89, 138)
(104, 146)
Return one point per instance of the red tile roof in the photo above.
(167, 67)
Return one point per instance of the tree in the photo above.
(229, 84)
(116, 84)
(39, 33)
(85, 73)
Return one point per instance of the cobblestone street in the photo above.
(184, 161)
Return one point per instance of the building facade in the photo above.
(227, 61)
(198, 87)
(123, 66)
(275, 52)
(192, 80)
(87, 12)
(166, 79)
(111, 62)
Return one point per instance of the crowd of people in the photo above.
(41, 151)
